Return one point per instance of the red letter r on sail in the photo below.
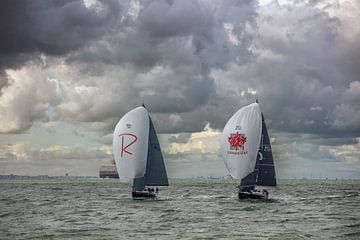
(123, 136)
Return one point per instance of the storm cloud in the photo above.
(193, 64)
(195, 61)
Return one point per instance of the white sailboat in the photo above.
(246, 150)
(138, 154)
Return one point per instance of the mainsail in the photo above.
(265, 162)
(155, 168)
(137, 150)
(264, 171)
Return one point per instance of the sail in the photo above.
(265, 161)
(240, 140)
(249, 181)
(155, 169)
(130, 143)
(264, 172)
(138, 184)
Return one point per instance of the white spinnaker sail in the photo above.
(130, 143)
(241, 139)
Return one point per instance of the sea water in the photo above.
(188, 209)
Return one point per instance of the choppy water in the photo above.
(189, 209)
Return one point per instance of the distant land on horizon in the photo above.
(39, 177)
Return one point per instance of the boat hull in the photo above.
(109, 175)
(251, 195)
(143, 195)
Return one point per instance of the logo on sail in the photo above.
(237, 141)
(127, 139)
(238, 127)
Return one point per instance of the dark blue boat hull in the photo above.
(143, 195)
(251, 195)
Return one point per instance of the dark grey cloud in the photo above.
(51, 27)
(172, 46)
(191, 62)
(32, 29)
(29, 28)
(301, 63)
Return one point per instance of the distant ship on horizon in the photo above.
(108, 170)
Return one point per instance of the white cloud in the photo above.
(229, 29)
(315, 108)
(54, 160)
(27, 99)
(348, 153)
(346, 116)
(206, 141)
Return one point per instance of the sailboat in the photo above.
(138, 154)
(247, 154)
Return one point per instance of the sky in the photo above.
(69, 70)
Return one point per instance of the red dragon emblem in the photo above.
(237, 140)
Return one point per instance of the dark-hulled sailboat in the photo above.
(138, 154)
(247, 153)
